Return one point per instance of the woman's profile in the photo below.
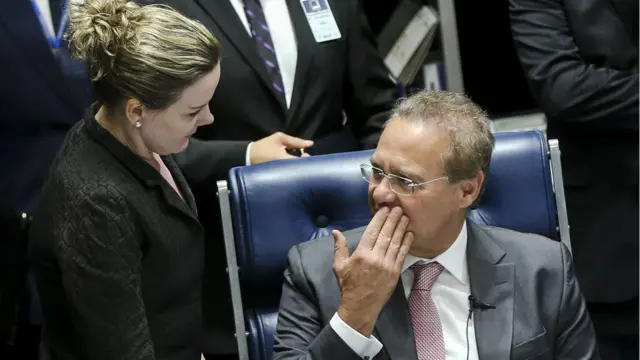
(116, 246)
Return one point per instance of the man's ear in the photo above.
(471, 189)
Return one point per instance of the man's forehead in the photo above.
(411, 157)
(396, 161)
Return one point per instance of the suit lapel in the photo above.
(492, 282)
(226, 17)
(394, 327)
(306, 43)
(22, 23)
(172, 198)
(182, 184)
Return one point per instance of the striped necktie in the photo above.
(427, 328)
(264, 45)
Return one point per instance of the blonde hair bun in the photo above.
(146, 52)
(99, 29)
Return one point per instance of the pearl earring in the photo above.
(138, 124)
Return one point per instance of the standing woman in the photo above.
(116, 245)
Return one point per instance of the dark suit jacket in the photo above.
(581, 61)
(331, 77)
(39, 105)
(117, 255)
(540, 313)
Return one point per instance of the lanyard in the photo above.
(55, 40)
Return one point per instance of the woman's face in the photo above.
(168, 131)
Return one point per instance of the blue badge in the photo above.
(311, 6)
(321, 21)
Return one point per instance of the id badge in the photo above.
(321, 21)
(70, 67)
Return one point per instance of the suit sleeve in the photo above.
(300, 334)
(206, 161)
(370, 93)
(576, 336)
(566, 87)
(100, 263)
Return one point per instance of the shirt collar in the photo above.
(454, 259)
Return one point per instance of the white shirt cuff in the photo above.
(247, 156)
(361, 345)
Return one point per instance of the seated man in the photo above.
(421, 281)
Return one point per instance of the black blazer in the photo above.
(581, 61)
(117, 255)
(346, 74)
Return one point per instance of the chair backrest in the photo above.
(277, 205)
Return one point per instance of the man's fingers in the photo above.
(407, 240)
(341, 252)
(292, 142)
(396, 239)
(389, 227)
(373, 229)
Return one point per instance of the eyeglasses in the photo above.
(398, 184)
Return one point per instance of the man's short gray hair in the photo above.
(463, 120)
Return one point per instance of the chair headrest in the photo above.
(280, 204)
(519, 191)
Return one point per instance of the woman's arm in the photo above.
(100, 260)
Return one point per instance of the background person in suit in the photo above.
(280, 86)
(42, 94)
(404, 291)
(290, 81)
(116, 244)
(581, 61)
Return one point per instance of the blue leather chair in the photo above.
(269, 208)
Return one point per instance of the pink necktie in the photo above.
(427, 328)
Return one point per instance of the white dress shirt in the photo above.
(276, 14)
(450, 294)
(45, 11)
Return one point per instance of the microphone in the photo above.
(477, 304)
(473, 305)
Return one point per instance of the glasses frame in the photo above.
(412, 184)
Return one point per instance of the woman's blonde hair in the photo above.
(150, 53)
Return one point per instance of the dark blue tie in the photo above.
(264, 45)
